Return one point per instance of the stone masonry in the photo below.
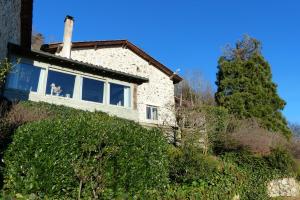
(159, 91)
(286, 187)
(10, 24)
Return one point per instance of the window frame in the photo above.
(78, 84)
(40, 79)
(64, 72)
(151, 112)
(109, 82)
(96, 79)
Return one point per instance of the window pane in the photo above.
(120, 95)
(151, 113)
(154, 113)
(24, 77)
(148, 112)
(92, 90)
(60, 84)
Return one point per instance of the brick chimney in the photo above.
(67, 43)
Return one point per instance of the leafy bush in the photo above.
(197, 176)
(258, 171)
(87, 155)
(194, 175)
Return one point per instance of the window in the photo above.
(120, 95)
(24, 77)
(60, 84)
(151, 112)
(92, 90)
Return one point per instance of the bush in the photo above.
(197, 176)
(258, 171)
(87, 155)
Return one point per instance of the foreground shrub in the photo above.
(85, 155)
(194, 175)
(259, 170)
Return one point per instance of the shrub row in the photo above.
(73, 154)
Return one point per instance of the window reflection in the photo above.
(92, 90)
(120, 95)
(24, 77)
(60, 84)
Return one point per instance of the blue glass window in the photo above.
(92, 90)
(24, 77)
(120, 95)
(60, 84)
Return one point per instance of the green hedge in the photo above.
(197, 176)
(87, 155)
(75, 153)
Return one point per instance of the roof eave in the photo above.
(73, 64)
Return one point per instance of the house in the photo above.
(112, 76)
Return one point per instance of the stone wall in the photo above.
(158, 92)
(286, 187)
(10, 24)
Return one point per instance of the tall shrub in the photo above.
(85, 155)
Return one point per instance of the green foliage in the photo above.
(217, 119)
(194, 175)
(258, 171)
(246, 89)
(5, 68)
(85, 154)
(76, 154)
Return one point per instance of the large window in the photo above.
(120, 95)
(24, 77)
(92, 90)
(151, 113)
(60, 84)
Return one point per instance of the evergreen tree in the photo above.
(245, 86)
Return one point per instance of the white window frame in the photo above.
(75, 92)
(152, 116)
(123, 84)
(78, 84)
(96, 79)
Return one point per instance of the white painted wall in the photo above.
(158, 92)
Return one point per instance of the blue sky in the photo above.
(188, 34)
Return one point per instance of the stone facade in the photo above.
(159, 91)
(286, 187)
(10, 24)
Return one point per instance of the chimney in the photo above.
(67, 43)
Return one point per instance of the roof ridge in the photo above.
(144, 55)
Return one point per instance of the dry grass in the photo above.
(13, 116)
(249, 135)
(19, 115)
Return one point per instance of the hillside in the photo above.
(59, 152)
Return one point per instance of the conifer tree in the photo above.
(245, 86)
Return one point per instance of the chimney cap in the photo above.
(69, 17)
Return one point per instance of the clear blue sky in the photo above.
(188, 34)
